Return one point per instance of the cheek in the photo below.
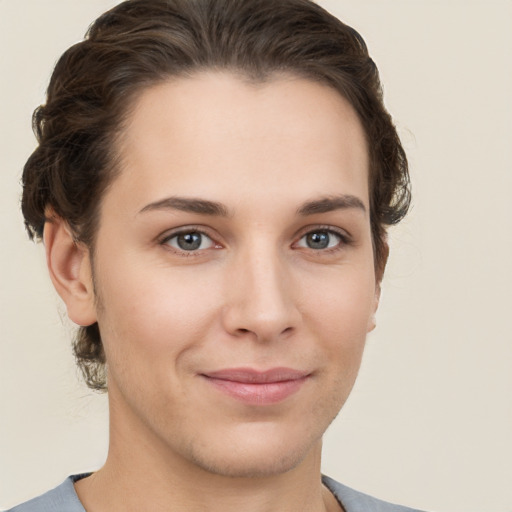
(342, 305)
(149, 311)
(339, 315)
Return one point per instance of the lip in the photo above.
(256, 387)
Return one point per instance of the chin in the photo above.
(256, 452)
(249, 465)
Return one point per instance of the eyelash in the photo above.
(186, 231)
(344, 240)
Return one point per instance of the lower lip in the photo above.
(258, 394)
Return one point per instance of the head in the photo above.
(98, 85)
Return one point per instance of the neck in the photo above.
(141, 473)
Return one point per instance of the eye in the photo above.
(189, 241)
(320, 240)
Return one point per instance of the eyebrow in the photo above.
(213, 208)
(331, 203)
(192, 205)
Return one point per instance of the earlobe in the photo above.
(70, 270)
(372, 321)
(379, 273)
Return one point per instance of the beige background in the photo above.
(430, 420)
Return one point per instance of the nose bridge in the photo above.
(260, 298)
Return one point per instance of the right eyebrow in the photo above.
(186, 204)
(331, 203)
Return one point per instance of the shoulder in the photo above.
(61, 499)
(64, 499)
(355, 501)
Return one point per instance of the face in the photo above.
(234, 270)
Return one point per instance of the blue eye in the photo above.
(319, 240)
(190, 241)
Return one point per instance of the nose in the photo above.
(261, 302)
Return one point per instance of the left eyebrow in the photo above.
(331, 203)
(185, 204)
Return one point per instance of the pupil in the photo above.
(319, 240)
(189, 241)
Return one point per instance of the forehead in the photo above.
(216, 133)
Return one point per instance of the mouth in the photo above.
(256, 387)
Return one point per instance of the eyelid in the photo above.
(342, 233)
(345, 237)
(202, 230)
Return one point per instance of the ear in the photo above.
(70, 270)
(379, 273)
(372, 322)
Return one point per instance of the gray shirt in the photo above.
(64, 499)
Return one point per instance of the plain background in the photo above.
(429, 423)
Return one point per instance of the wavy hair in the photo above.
(140, 43)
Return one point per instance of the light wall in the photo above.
(429, 423)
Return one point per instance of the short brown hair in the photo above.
(142, 42)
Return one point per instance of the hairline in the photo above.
(114, 166)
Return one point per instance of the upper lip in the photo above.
(253, 376)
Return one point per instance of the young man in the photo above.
(212, 183)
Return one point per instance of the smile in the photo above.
(255, 387)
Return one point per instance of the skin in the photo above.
(280, 160)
